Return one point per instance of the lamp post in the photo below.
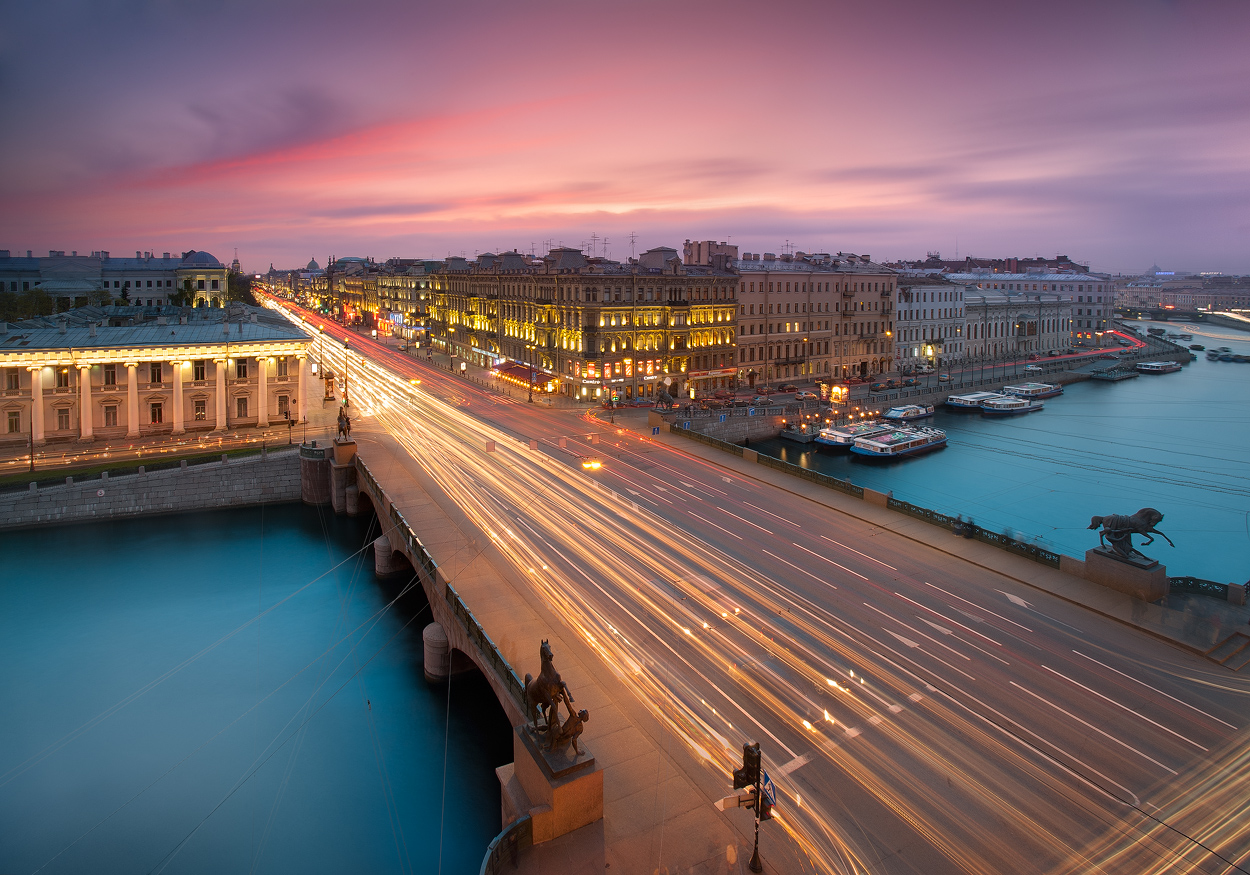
(346, 361)
(530, 349)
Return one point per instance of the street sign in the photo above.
(686, 425)
(655, 429)
(722, 417)
(747, 801)
(770, 789)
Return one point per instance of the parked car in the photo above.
(1034, 356)
(877, 387)
(760, 399)
(806, 396)
(910, 381)
(855, 381)
(925, 369)
(944, 378)
(1032, 369)
(788, 387)
(723, 394)
(893, 384)
(1109, 355)
(1053, 352)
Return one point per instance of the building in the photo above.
(1163, 290)
(934, 263)
(1090, 298)
(1006, 325)
(590, 327)
(932, 327)
(116, 372)
(100, 278)
(813, 316)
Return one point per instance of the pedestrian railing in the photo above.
(489, 651)
(507, 846)
(1198, 586)
(958, 526)
(706, 439)
(808, 474)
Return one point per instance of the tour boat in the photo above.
(1158, 367)
(908, 412)
(1009, 405)
(842, 436)
(800, 432)
(1213, 356)
(1197, 346)
(899, 442)
(971, 401)
(1034, 390)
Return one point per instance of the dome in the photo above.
(312, 264)
(199, 259)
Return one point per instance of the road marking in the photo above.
(748, 522)
(915, 697)
(1095, 728)
(978, 607)
(771, 514)
(946, 631)
(853, 550)
(1125, 707)
(911, 643)
(851, 732)
(906, 641)
(633, 492)
(713, 525)
(948, 619)
(796, 763)
(804, 570)
(1016, 600)
(1154, 690)
(895, 709)
(874, 719)
(830, 561)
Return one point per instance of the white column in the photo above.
(132, 399)
(221, 395)
(36, 403)
(84, 402)
(178, 412)
(262, 404)
(302, 402)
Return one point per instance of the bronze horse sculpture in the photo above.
(544, 693)
(1118, 530)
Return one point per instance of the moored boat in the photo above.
(971, 401)
(908, 412)
(842, 436)
(1034, 390)
(1009, 405)
(899, 442)
(800, 432)
(1198, 347)
(1158, 367)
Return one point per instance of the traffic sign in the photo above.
(770, 789)
(655, 429)
(722, 417)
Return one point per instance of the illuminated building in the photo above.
(931, 323)
(813, 316)
(591, 327)
(118, 372)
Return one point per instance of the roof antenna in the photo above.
(632, 238)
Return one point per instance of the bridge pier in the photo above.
(441, 660)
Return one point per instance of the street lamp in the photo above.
(346, 361)
(530, 349)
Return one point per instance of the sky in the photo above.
(1117, 133)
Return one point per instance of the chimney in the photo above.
(91, 329)
(138, 254)
(28, 253)
(182, 320)
(225, 325)
(74, 253)
(167, 256)
(251, 317)
(61, 324)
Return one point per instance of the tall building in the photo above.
(813, 316)
(590, 327)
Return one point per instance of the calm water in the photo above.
(1175, 442)
(306, 742)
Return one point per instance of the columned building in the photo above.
(1089, 301)
(118, 372)
(1003, 325)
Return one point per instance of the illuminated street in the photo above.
(918, 714)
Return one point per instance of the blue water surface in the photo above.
(230, 692)
(1177, 442)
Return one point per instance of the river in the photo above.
(229, 692)
(1175, 442)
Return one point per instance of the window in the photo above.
(158, 412)
(149, 284)
(240, 369)
(200, 413)
(284, 405)
(110, 415)
(15, 421)
(199, 284)
(198, 370)
(62, 419)
(12, 379)
(154, 372)
(282, 366)
(216, 284)
(62, 379)
(110, 375)
(240, 408)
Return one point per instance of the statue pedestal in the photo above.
(559, 790)
(1144, 579)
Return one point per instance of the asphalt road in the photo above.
(918, 714)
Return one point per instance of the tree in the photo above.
(239, 287)
(184, 296)
(100, 297)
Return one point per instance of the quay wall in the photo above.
(264, 479)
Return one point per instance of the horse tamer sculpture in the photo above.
(1118, 530)
(544, 693)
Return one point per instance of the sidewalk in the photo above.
(1201, 624)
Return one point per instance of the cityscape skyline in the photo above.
(1110, 135)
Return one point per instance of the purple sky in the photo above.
(1117, 133)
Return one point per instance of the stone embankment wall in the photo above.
(237, 483)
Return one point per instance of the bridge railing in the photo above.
(491, 655)
(808, 474)
(507, 846)
(954, 524)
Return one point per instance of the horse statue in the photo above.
(1118, 530)
(544, 693)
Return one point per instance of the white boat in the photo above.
(908, 412)
(1009, 405)
(842, 436)
(1034, 390)
(898, 442)
(800, 432)
(1159, 367)
(971, 401)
